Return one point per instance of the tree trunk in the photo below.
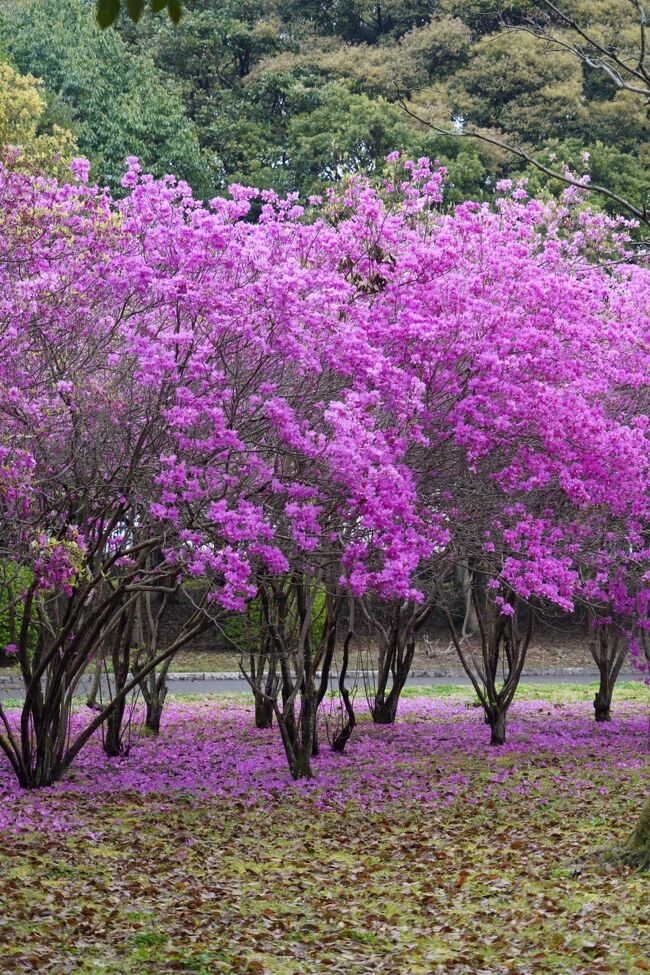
(39, 778)
(496, 716)
(263, 666)
(300, 765)
(637, 850)
(41, 748)
(297, 750)
(315, 744)
(308, 717)
(603, 701)
(298, 736)
(44, 772)
(384, 707)
(154, 692)
(503, 650)
(121, 658)
(113, 738)
(470, 621)
(154, 713)
(609, 653)
(341, 739)
(91, 700)
(263, 712)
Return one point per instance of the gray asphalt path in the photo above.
(232, 684)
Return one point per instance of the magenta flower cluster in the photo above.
(372, 381)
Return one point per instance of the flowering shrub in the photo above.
(347, 395)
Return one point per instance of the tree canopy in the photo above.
(351, 400)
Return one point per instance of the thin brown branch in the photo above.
(640, 214)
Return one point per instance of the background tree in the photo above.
(27, 126)
(117, 103)
(254, 92)
(584, 66)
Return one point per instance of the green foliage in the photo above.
(109, 10)
(622, 172)
(344, 133)
(291, 94)
(243, 631)
(508, 85)
(119, 102)
(359, 21)
(14, 580)
(26, 124)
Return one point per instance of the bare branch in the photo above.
(609, 56)
(639, 214)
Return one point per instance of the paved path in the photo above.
(206, 683)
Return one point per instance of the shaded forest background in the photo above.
(293, 94)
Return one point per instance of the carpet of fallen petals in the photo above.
(420, 850)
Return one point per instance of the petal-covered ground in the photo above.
(420, 850)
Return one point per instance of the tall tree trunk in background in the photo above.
(470, 621)
(150, 612)
(263, 672)
(154, 692)
(93, 691)
(121, 660)
(343, 734)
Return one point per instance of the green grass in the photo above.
(631, 690)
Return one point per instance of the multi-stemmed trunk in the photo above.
(40, 762)
(502, 647)
(154, 692)
(153, 688)
(496, 715)
(114, 732)
(396, 667)
(285, 673)
(154, 709)
(150, 612)
(609, 651)
(68, 629)
(396, 652)
(298, 731)
(40, 747)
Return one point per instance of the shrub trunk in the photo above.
(263, 711)
(496, 718)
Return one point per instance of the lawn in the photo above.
(421, 850)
